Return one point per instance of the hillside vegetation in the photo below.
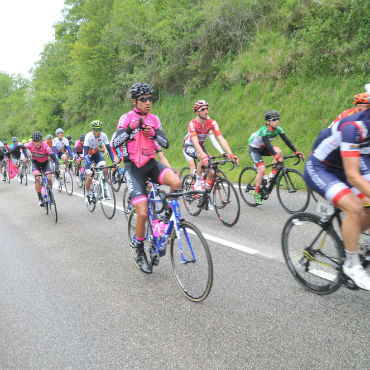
(305, 59)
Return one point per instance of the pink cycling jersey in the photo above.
(39, 155)
(148, 146)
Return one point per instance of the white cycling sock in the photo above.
(352, 259)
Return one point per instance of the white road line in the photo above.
(209, 237)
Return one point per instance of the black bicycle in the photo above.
(221, 195)
(49, 203)
(116, 177)
(291, 188)
(314, 251)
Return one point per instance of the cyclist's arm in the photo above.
(288, 142)
(24, 152)
(195, 141)
(163, 159)
(55, 160)
(110, 152)
(69, 151)
(215, 143)
(160, 138)
(224, 144)
(352, 171)
(15, 148)
(55, 150)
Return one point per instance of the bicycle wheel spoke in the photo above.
(191, 262)
(191, 202)
(292, 191)
(226, 202)
(52, 205)
(312, 253)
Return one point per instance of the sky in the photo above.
(26, 26)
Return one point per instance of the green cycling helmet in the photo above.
(96, 124)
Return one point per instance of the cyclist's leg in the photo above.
(256, 155)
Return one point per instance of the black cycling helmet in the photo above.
(69, 137)
(271, 114)
(82, 137)
(140, 89)
(14, 139)
(36, 136)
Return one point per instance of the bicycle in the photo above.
(314, 251)
(294, 199)
(82, 176)
(65, 177)
(117, 178)
(222, 194)
(190, 257)
(48, 197)
(101, 190)
(23, 171)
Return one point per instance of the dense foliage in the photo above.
(242, 55)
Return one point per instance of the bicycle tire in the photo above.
(313, 253)
(131, 224)
(297, 196)
(107, 201)
(126, 203)
(184, 171)
(68, 181)
(115, 180)
(247, 185)
(24, 176)
(194, 276)
(52, 206)
(91, 206)
(80, 184)
(191, 202)
(226, 202)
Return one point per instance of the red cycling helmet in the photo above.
(199, 104)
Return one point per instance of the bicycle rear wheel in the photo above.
(68, 181)
(52, 206)
(313, 253)
(292, 191)
(226, 202)
(191, 262)
(191, 202)
(126, 202)
(247, 185)
(115, 179)
(107, 199)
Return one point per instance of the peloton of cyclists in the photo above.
(339, 170)
(260, 145)
(137, 132)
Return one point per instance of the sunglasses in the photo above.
(274, 119)
(145, 99)
(203, 109)
(97, 129)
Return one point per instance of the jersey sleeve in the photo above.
(351, 137)
(215, 128)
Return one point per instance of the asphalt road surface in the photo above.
(71, 297)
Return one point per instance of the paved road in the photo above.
(71, 297)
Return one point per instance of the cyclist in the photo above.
(49, 141)
(2, 159)
(260, 145)
(92, 154)
(198, 131)
(61, 147)
(16, 156)
(78, 150)
(361, 103)
(40, 153)
(138, 130)
(339, 170)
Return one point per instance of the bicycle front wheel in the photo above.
(52, 206)
(247, 185)
(184, 171)
(191, 202)
(226, 202)
(107, 199)
(191, 262)
(313, 253)
(93, 190)
(292, 191)
(68, 181)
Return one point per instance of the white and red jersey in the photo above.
(201, 130)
